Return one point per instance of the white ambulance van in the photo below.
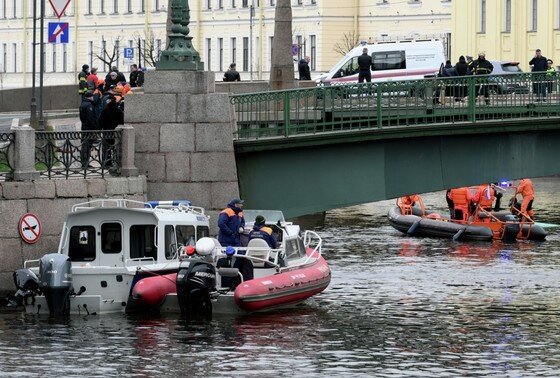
(401, 60)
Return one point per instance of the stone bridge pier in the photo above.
(184, 139)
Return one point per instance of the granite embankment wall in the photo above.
(51, 201)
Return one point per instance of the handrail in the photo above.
(7, 144)
(405, 103)
(307, 238)
(119, 202)
(138, 260)
(274, 263)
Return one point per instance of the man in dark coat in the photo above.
(82, 80)
(136, 76)
(110, 118)
(89, 123)
(303, 68)
(539, 64)
(365, 65)
(232, 74)
(461, 68)
(120, 75)
(231, 223)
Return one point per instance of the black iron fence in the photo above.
(78, 153)
(6, 147)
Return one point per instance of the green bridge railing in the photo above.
(352, 107)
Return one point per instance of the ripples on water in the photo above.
(397, 306)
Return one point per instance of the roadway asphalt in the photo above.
(6, 118)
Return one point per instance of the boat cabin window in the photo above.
(202, 232)
(170, 242)
(142, 241)
(111, 238)
(81, 246)
(294, 248)
(389, 60)
(185, 235)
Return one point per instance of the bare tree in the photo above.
(149, 48)
(109, 54)
(349, 41)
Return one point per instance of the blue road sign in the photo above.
(58, 32)
(295, 49)
(128, 53)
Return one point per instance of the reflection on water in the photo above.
(397, 306)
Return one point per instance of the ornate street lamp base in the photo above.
(180, 55)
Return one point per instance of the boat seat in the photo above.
(242, 263)
(260, 249)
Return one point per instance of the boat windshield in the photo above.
(294, 248)
(271, 216)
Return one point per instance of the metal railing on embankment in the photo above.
(369, 106)
(6, 147)
(65, 155)
(78, 153)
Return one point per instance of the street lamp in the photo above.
(251, 16)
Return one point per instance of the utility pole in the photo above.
(251, 16)
(33, 118)
(41, 124)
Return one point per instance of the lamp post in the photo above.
(33, 118)
(41, 124)
(180, 53)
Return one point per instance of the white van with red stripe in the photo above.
(401, 60)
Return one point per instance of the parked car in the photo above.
(499, 83)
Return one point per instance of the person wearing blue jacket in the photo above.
(260, 231)
(231, 223)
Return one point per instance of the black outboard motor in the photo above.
(511, 229)
(55, 275)
(27, 285)
(196, 279)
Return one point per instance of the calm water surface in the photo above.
(396, 307)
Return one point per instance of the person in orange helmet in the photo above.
(526, 189)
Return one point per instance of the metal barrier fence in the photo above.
(78, 153)
(441, 100)
(6, 146)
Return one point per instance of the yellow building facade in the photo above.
(507, 29)
(222, 33)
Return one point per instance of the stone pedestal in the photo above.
(184, 138)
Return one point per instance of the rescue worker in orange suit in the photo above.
(408, 202)
(260, 231)
(526, 189)
(231, 224)
(484, 199)
(461, 198)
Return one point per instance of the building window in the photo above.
(220, 54)
(272, 3)
(507, 16)
(142, 4)
(88, 7)
(299, 2)
(101, 6)
(300, 46)
(534, 15)
(54, 57)
(118, 52)
(208, 4)
(128, 6)
(245, 3)
(209, 53)
(482, 16)
(233, 50)
(220, 4)
(14, 48)
(115, 6)
(313, 39)
(4, 8)
(4, 67)
(14, 9)
(64, 58)
(271, 41)
(103, 50)
(90, 53)
(158, 48)
(233, 3)
(156, 5)
(245, 54)
(313, 1)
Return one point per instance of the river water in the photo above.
(396, 307)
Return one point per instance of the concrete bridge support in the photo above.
(184, 139)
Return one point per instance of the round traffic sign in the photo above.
(30, 228)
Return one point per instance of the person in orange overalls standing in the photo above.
(526, 189)
(461, 198)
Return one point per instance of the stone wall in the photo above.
(50, 200)
(184, 139)
(58, 97)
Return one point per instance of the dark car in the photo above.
(500, 83)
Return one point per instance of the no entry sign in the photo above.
(30, 228)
